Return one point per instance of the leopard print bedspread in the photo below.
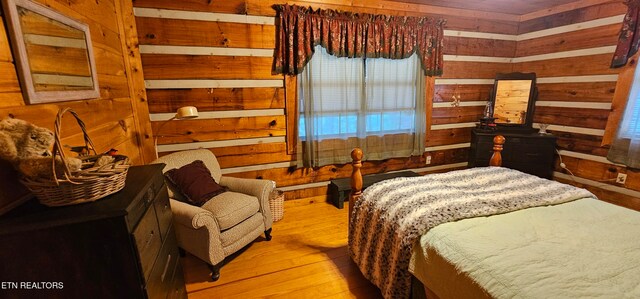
(391, 215)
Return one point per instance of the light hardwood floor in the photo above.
(307, 258)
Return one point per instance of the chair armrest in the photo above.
(254, 187)
(192, 216)
(197, 231)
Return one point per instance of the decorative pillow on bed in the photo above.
(194, 182)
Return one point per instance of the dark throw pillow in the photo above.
(194, 181)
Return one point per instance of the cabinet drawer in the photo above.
(163, 211)
(177, 289)
(144, 199)
(140, 205)
(542, 157)
(483, 150)
(160, 282)
(532, 153)
(147, 237)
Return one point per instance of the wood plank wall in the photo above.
(118, 119)
(217, 56)
(571, 53)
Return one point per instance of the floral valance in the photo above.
(346, 34)
(629, 39)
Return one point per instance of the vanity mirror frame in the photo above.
(19, 50)
(533, 94)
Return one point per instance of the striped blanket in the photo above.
(391, 215)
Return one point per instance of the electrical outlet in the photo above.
(622, 178)
(428, 160)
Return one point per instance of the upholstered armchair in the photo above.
(228, 221)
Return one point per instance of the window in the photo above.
(625, 146)
(340, 92)
(373, 103)
(630, 125)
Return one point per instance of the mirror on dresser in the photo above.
(513, 100)
(53, 53)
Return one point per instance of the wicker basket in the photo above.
(276, 204)
(86, 185)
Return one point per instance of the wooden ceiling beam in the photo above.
(431, 9)
(563, 8)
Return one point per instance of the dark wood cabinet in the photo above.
(531, 153)
(339, 189)
(121, 246)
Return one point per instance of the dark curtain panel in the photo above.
(346, 34)
(629, 39)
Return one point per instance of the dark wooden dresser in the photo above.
(121, 246)
(528, 152)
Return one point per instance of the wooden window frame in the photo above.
(291, 112)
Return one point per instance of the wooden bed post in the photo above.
(356, 178)
(496, 158)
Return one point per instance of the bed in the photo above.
(491, 232)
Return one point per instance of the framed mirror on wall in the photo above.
(53, 53)
(513, 101)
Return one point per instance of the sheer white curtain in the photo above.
(376, 104)
(330, 104)
(625, 148)
(395, 100)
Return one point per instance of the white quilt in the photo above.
(582, 249)
(392, 215)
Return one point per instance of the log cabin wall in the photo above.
(218, 55)
(118, 119)
(571, 53)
